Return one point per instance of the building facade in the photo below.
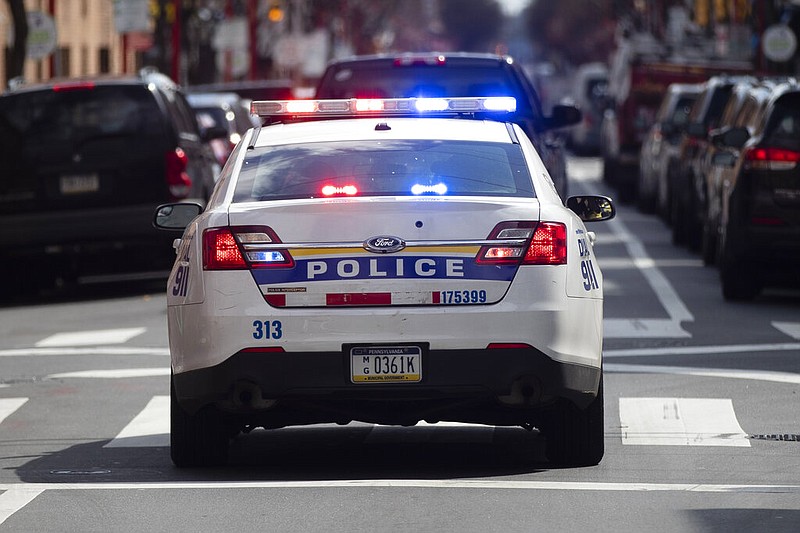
(80, 33)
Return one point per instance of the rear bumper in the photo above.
(492, 386)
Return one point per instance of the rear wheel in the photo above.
(575, 437)
(200, 439)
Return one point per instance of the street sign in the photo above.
(779, 43)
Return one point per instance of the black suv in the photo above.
(759, 224)
(455, 74)
(83, 164)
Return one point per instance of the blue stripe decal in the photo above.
(384, 267)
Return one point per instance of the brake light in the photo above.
(241, 247)
(75, 86)
(178, 180)
(220, 250)
(548, 246)
(513, 238)
(769, 158)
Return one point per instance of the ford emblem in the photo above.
(384, 244)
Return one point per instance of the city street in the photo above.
(702, 422)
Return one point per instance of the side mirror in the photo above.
(175, 217)
(564, 115)
(591, 208)
(736, 137)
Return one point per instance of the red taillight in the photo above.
(513, 237)
(178, 180)
(772, 158)
(75, 86)
(220, 251)
(548, 246)
(241, 247)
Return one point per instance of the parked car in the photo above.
(456, 74)
(759, 223)
(686, 178)
(84, 163)
(223, 110)
(590, 95)
(341, 266)
(661, 145)
(745, 99)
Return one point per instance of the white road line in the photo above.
(9, 405)
(680, 422)
(97, 350)
(790, 328)
(633, 328)
(149, 428)
(16, 497)
(757, 375)
(122, 373)
(424, 483)
(90, 338)
(661, 287)
(701, 350)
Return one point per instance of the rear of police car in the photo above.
(387, 269)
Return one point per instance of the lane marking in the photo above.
(98, 350)
(790, 328)
(122, 373)
(758, 375)
(632, 328)
(424, 483)
(16, 497)
(666, 294)
(701, 350)
(150, 428)
(9, 405)
(90, 338)
(680, 422)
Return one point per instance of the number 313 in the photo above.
(264, 329)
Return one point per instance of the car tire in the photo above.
(708, 248)
(199, 439)
(738, 280)
(575, 437)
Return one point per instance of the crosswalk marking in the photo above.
(790, 328)
(149, 428)
(9, 405)
(680, 422)
(91, 338)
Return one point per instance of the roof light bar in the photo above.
(383, 106)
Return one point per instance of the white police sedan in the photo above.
(385, 261)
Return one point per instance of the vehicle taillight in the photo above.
(513, 239)
(242, 247)
(178, 180)
(548, 246)
(769, 158)
(220, 250)
(73, 86)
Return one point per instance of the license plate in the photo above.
(79, 184)
(386, 364)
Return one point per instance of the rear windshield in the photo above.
(367, 81)
(783, 129)
(393, 168)
(76, 115)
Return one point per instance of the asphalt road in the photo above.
(702, 424)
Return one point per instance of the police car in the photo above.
(388, 261)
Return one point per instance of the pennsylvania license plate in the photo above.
(79, 184)
(386, 364)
